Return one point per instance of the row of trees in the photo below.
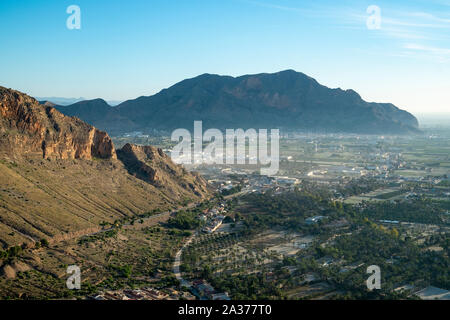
(421, 210)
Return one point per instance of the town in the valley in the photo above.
(311, 231)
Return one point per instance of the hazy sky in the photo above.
(129, 48)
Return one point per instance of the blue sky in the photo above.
(130, 48)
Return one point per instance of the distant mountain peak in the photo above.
(93, 101)
(287, 100)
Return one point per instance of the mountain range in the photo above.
(68, 101)
(287, 100)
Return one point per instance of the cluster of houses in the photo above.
(199, 289)
(213, 218)
(213, 224)
(204, 291)
(144, 294)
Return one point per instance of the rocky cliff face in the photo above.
(154, 166)
(28, 129)
(63, 198)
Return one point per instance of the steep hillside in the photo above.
(154, 166)
(60, 177)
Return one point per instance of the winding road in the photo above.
(177, 262)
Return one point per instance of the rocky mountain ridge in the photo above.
(63, 177)
(30, 129)
(287, 100)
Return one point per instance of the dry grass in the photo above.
(64, 199)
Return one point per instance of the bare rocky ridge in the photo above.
(154, 166)
(30, 129)
(62, 177)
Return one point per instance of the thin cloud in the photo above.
(441, 54)
(421, 34)
(432, 21)
(313, 10)
(399, 22)
(434, 50)
(275, 6)
(412, 27)
(444, 22)
(404, 34)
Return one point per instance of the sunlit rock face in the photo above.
(28, 129)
